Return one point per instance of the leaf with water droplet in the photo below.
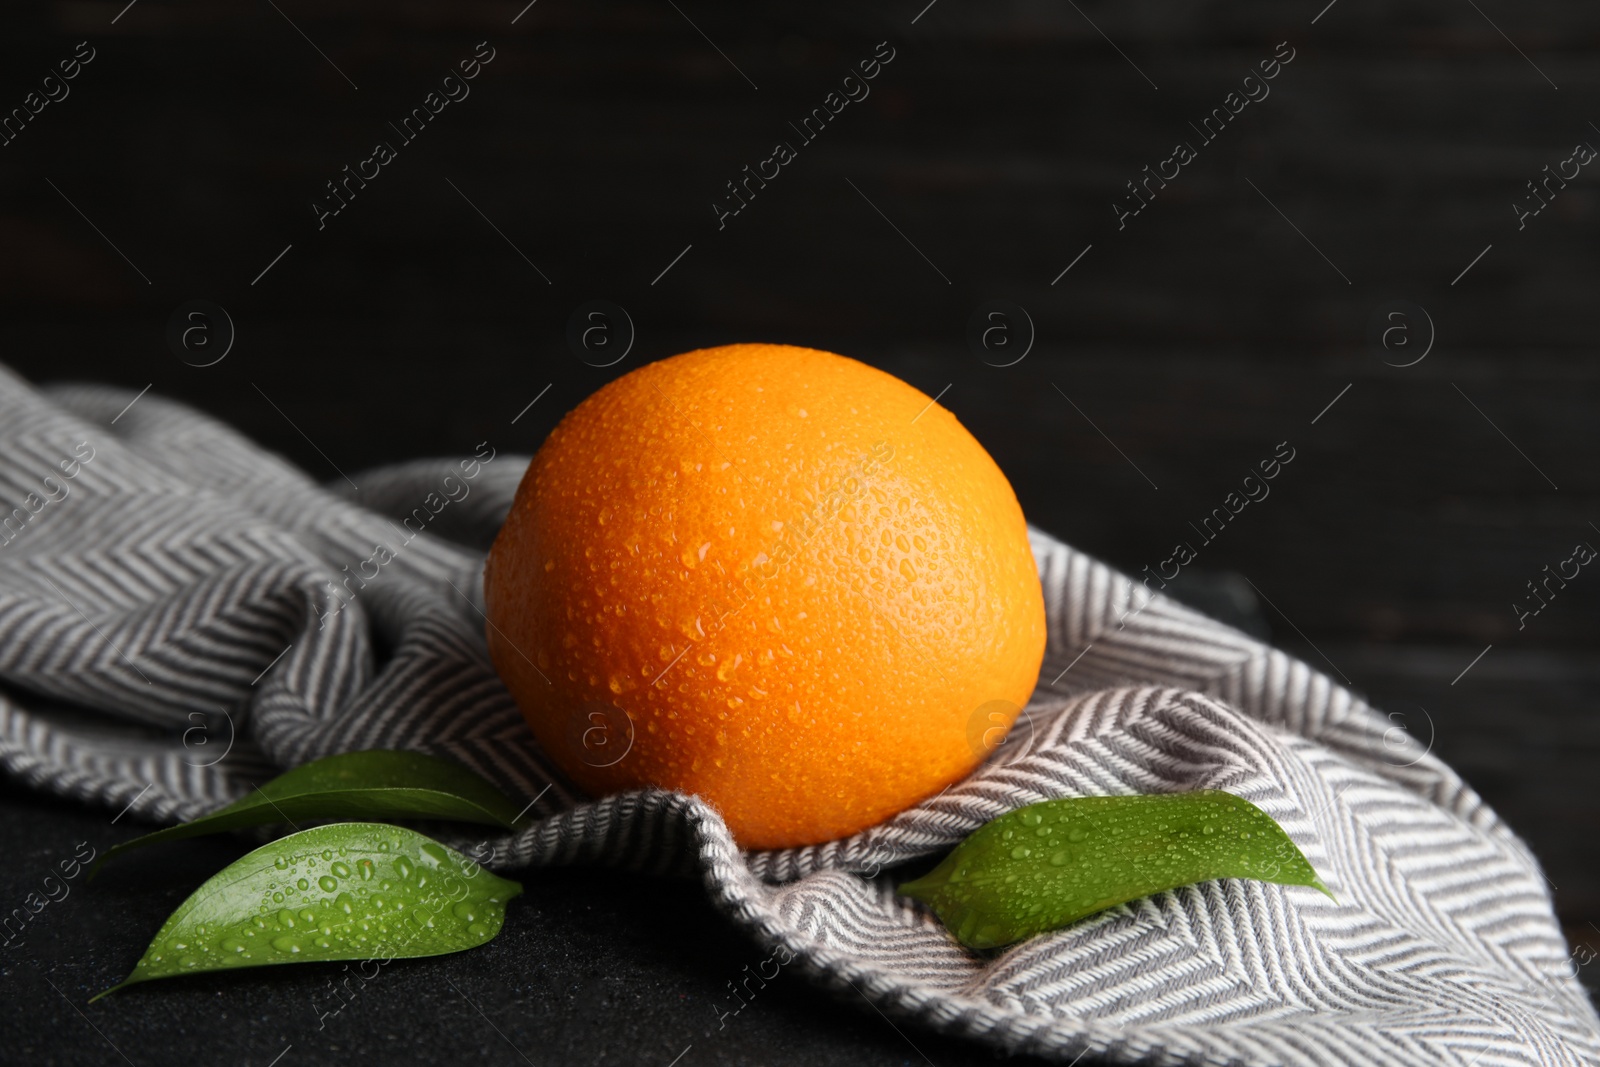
(375, 784)
(394, 894)
(1101, 852)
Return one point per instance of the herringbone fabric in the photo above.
(170, 592)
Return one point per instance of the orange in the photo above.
(770, 576)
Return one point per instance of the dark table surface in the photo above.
(1233, 312)
(591, 967)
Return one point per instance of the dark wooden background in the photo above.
(1208, 330)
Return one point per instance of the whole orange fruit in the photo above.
(771, 576)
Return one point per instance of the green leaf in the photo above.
(346, 891)
(377, 784)
(1046, 865)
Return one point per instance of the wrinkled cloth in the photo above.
(179, 621)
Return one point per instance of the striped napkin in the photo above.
(183, 614)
